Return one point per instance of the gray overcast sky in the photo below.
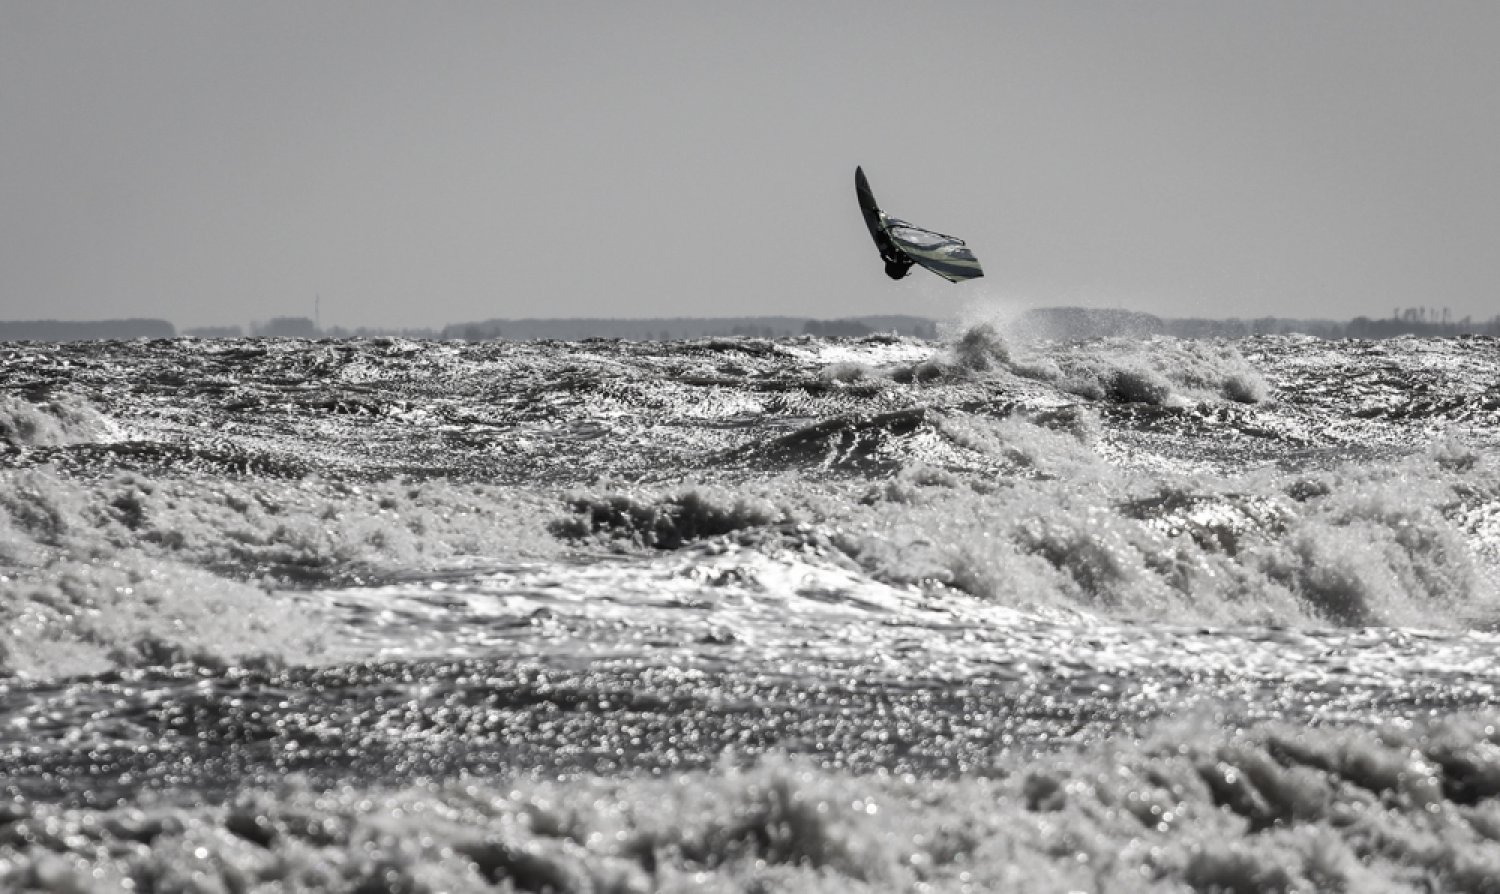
(422, 164)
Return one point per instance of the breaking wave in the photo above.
(132, 570)
(52, 423)
(664, 522)
(1157, 371)
(1355, 547)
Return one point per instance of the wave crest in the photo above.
(53, 423)
(667, 521)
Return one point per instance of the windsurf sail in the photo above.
(901, 244)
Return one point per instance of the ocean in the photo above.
(979, 613)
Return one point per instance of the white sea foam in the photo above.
(1189, 807)
(874, 351)
(52, 423)
(1377, 545)
(70, 617)
(132, 570)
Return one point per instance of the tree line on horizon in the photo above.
(1061, 322)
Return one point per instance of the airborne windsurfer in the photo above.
(902, 245)
(897, 265)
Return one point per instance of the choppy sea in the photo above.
(983, 613)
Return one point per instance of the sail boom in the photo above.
(947, 256)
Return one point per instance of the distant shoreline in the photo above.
(1057, 323)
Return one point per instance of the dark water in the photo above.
(748, 614)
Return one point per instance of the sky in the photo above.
(401, 164)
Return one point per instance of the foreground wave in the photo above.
(1189, 807)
